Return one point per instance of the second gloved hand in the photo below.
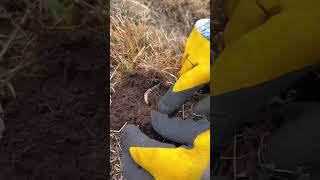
(144, 158)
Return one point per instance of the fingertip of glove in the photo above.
(127, 133)
(129, 128)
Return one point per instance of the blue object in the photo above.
(203, 27)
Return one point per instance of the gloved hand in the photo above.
(144, 158)
(269, 45)
(195, 70)
(264, 40)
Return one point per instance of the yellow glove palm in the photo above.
(175, 163)
(195, 68)
(264, 40)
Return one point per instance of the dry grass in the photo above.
(136, 44)
(148, 35)
(183, 11)
(115, 163)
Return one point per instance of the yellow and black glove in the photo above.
(269, 45)
(266, 39)
(195, 69)
(144, 158)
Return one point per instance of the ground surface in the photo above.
(55, 125)
(128, 103)
(147, 42)
(145, 52)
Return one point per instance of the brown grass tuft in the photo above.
(139, 43)
(184, 11)
(115, 150)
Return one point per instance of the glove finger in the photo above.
(246, 15)
(198, 75)
(178, 130)
(131, 170)
(171, 101)
(203, 106)
(132, 136)
(237, 66)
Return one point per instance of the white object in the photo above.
(203, 27)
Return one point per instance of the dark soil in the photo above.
(128, 103)
(56, 125)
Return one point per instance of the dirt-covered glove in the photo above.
(266, 39)
(195, 69)
(144, 158)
